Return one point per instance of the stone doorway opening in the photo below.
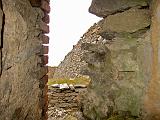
(68, 22)
(110, 88)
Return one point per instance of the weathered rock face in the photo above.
(22, 67)
(103, 8)
(120, 68)
(129, 21)
(119, 71)
(71, 66)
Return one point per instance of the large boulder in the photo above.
(103, 8)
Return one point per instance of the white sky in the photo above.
(69, 20)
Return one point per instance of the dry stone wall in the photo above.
(66, 99)
(72, 64)
(23, 89)
(120, 69)
(103, 8)
(152, 97)
(63, 102)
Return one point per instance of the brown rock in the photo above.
(19, 82)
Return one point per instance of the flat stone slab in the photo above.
(129, 21)
(103, 8)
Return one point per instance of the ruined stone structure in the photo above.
(71, 66)
(23, 90)
(63, 102)
(123, 61)
(125, 70)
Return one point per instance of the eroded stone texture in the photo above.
(21, 70)
(130, 21)
(119, 73)
(120, 68)
(103, 8)
(71, 66)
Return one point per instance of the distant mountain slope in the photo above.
(71, 65)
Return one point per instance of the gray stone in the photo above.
(103, 8)
(19, 81)
(129, 21)
(71, 66)
(119, 73)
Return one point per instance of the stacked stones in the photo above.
(44, 5)
(63, 101)
(71, 66)
(43, 83)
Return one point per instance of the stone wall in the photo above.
(63, 101)
(72, 64)
(120, 69)
(23, 89)
(66, 99)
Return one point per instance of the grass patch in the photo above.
(79, 80)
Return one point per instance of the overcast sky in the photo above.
(69, 20)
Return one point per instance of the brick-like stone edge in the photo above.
(45, 6)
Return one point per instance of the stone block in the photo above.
(45, 49)
(44, 27)
(103, 8)
(129, 21)
(45, 39)
(46, 18)
(45, 6)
